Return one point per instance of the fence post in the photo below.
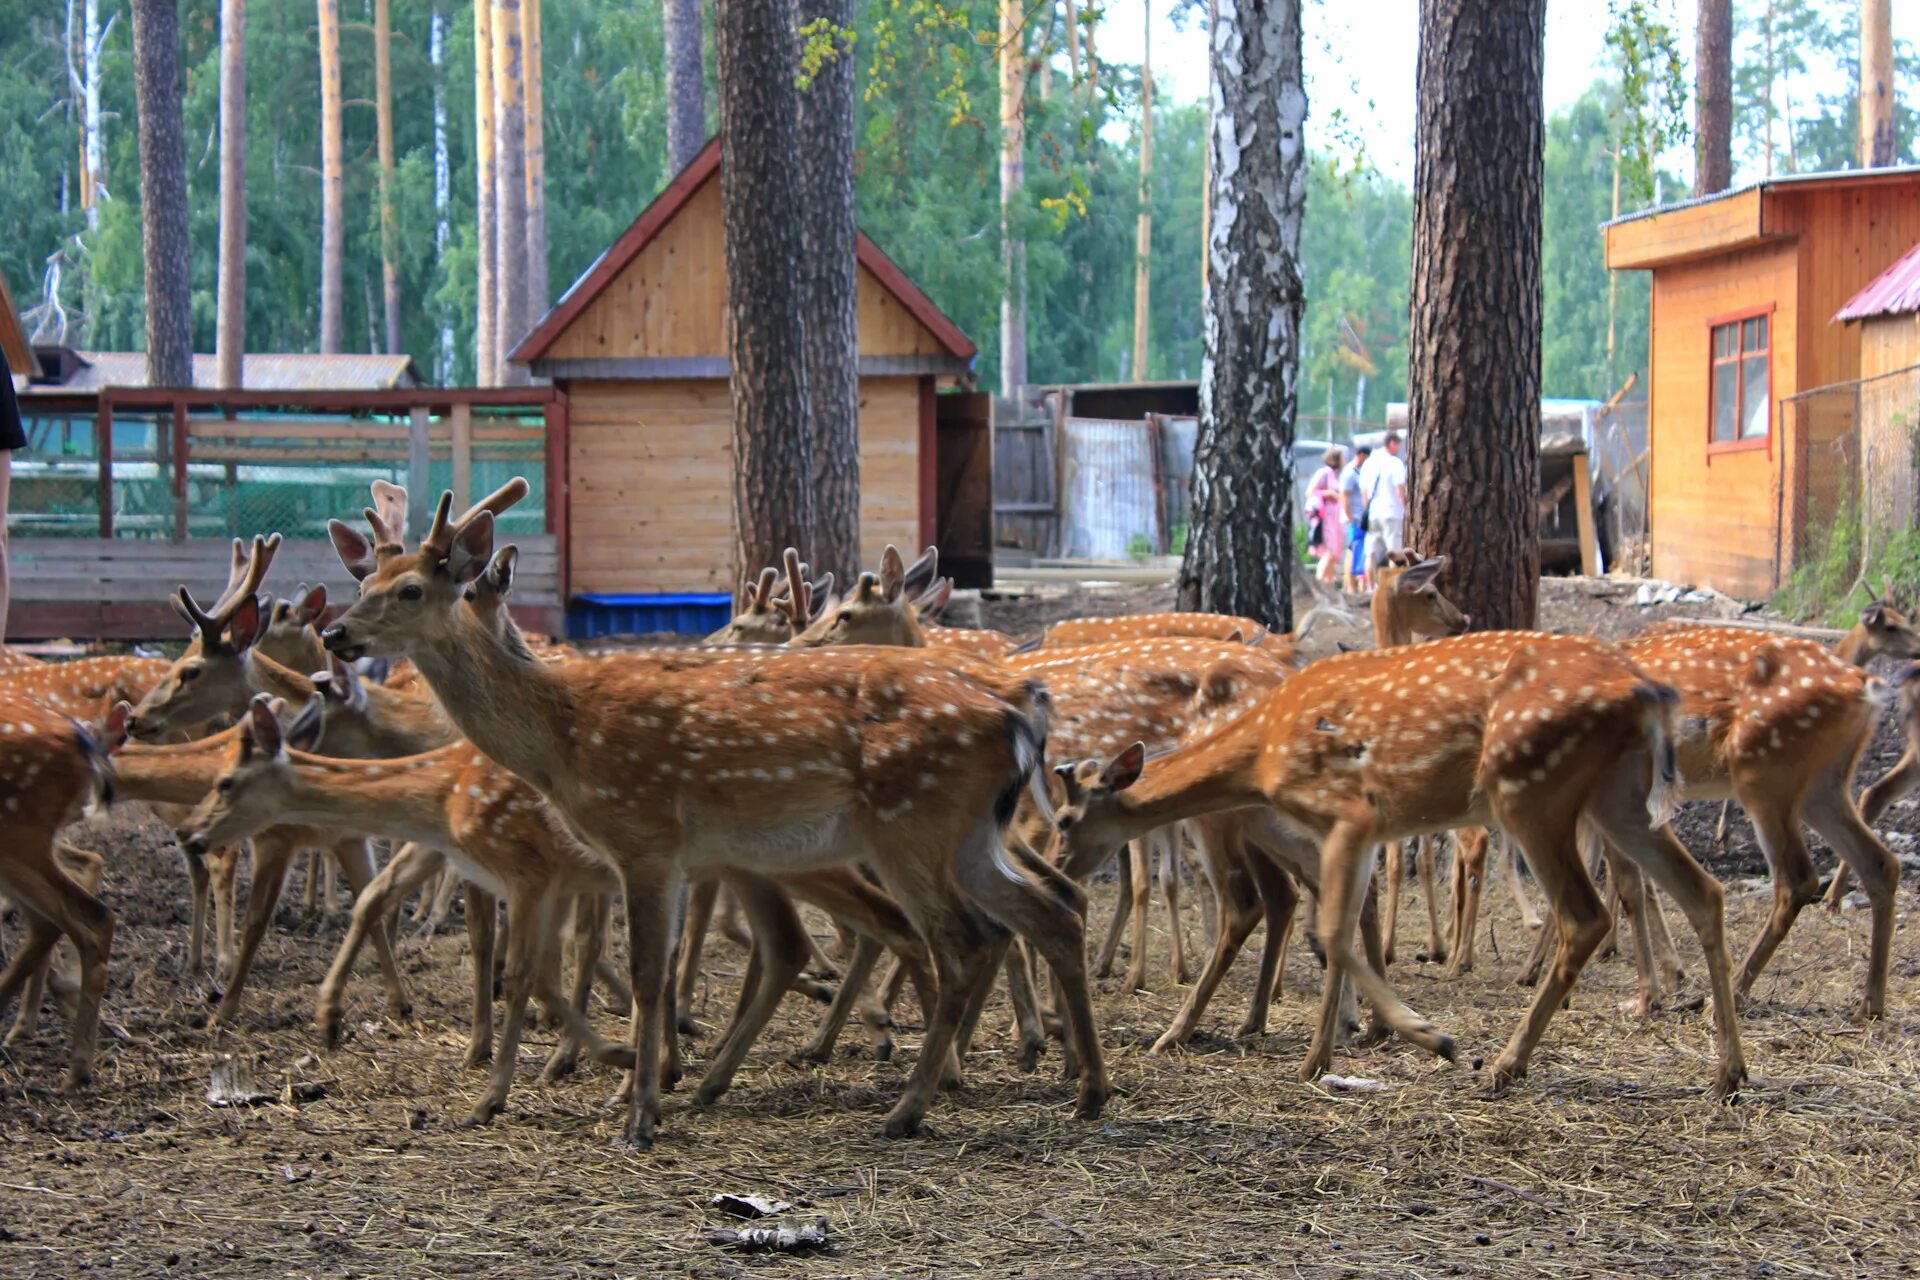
(103, 429)
(462, 419)
(419, 499)
(179, 470)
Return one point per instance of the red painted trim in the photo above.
(1741, 444)
(559, 495)
(929, 463)
(654, 219)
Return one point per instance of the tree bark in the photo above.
(1073, 39)
(163, 192)
(230, 312)
(830, 278)
(486, 228)
(510, 182)
(1143, 239)
(1239, 555)
(773, 501)
(1713, 98)
(530, 57)
(1013, 176)
(686, 83)
(1876, 84)
(1474, 342)
(383, 113)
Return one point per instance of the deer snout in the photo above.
(337, 640)
(1466, 623)
(194, 844)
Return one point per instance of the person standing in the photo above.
(13, 435)
(1383, 484)
(1326, 516)
(1352, 506)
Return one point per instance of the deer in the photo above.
(85, 688)
(50, 766)
(12, 659)
(875, 756)
(1073, 632)
(1529, 731)
(88, 870)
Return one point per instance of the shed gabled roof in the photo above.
(1894, 292)
(654, 219)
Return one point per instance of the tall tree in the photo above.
(1713, 98)
(773, 499)
(686, 82)
(1143, 239)
(1876, 84)
(383, 124)
(830, 274)
(442, 189)
(510, 181)
(163, 193)
(332, 179)
(1474, 345)
(93, 146)
(536, 175)
(1013, 176)
(1240, 553)
(230, 313)
(486, 339)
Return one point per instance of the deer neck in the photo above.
(264, 675)
(505, 701)
(1389, 632)
(404, 798)
(169, 774)
(1215, 773)
(1856, 646)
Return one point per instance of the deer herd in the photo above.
(941, 793)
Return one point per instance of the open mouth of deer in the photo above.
(338, 642)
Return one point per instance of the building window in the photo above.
(1740, 393)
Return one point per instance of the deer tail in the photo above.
(1658, 702)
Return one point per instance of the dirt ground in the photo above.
(1610, 1160)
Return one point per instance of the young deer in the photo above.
(881, 756)
(1072, 632)
(49, 767)
(1529, 731)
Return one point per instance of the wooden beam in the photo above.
(1583, 516)
(419, 477)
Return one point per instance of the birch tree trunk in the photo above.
(230, 311)
(530, 58)
(1013, 176)
(94, 147)
(1073, 39)
(773, 505)
(1239, 555)
(486, 229)
(332, 179)
(1713, 98)
(442, 187)
(510, 183)
(163, 192)
(1474, 339)
(1143, 240)
(686, 83)
(383, 113)
(1876, 84)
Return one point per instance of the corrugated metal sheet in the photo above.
(1108, 508)
(268, 371)
(1894, 292)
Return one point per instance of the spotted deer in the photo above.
(877, 756)
(12, 659)
(49, 767)
(1528, 731)
(1072, 632)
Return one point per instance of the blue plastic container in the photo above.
(687, 614)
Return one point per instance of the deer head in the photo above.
(250, 792)
(209, 682)
(293, 634)
(1883, 630)
(878, 610)
(1407, 602)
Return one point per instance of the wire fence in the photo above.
(1849, 494)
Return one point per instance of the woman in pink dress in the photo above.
(1326, 522)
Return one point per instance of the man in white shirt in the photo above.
(1383, 486)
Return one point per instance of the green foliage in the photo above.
(1653, 88)
(1822, 584)
(1812, 66)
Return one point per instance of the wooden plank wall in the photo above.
(1708, 228)
(1888, 343)
(652, 481)
(1848, 236)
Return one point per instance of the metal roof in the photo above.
(1894, 292)
(266, 371)
(1832, 177)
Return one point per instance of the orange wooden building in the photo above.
(638, 347)
(1746, 286)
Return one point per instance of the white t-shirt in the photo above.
(1380, 482)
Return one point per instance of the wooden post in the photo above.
(103, 440)
(1583, 516)
(419, 499)
(462, 419)
(179, 470)
(559, 519)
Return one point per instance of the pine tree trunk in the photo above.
(1876, 84)
(163, 192)
(383, 112)
(1713, 93)
(332, 179)
(230, 312)
(1143, 239)
(1474, 347)
(442, 188)
(530, 57)
(510, 183)
(773, 505)
(686, 83)
(1239, 555)
(1013, 176)
(830, 278)
(486, 224)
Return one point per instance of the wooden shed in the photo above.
(638, 348)
(1745, 288)
(1887, 311)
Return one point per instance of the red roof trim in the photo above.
(654, 218)
(1895, 291)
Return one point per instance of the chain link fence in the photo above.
(1849, 495)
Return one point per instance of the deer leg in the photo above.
(589, 940)
(530, 937)
(308, 862)
(223, 873)
(1123, 908)
(860, 963)
(1631, 892)
(1720, 828)
(197, 886)
(693, 941)
(1172, 866)
(1395, 871)
(1239, 913)
(1470, 851)
(1140, 857)
(1282, 904)
(410, 865)
(442, 903)
(649, 902)
(1425, 863)
(1776, 823)
(330, 895)
(1510, 871)
(273, 854)
(1831, 812)
(780, 945)
(355, 861)
(54, 905)
(1026, 1009)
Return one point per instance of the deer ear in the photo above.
(113, 730)
(935, 599)
(922, 572)
(304, 733)
(471, 549)
(893, 575)
(343, 684)
(248, 623)
(1420, 576)
(312, 605)
(261, 731)
(355, 552)
(500, 570)
(1124, 770)
(1874, 615)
